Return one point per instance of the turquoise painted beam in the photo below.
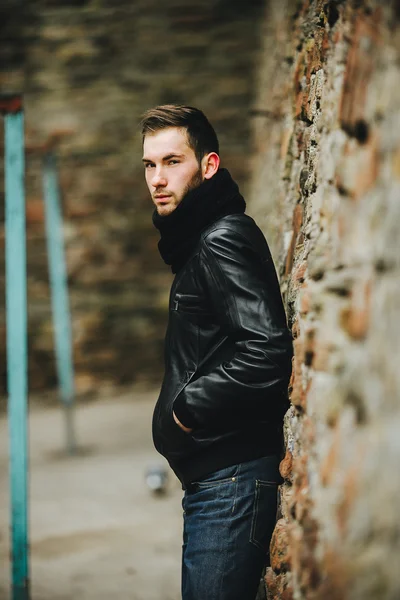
(17, 362)
(59, 294)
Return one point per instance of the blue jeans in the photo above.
(229, 517)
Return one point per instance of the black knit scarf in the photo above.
(180, 230)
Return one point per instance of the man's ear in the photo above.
(210, 165)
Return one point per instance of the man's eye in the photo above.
(148, 166)
(173, 162)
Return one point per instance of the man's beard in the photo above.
(194, 183)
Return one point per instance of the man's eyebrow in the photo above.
(167, 157)
(173, 155)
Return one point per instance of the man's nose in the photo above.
(158, 179)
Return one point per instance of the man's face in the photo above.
(171, 168)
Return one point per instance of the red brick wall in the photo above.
(326, 188)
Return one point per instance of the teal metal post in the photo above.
(16, 316)
(59, 294)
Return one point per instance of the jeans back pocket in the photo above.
(264, 514)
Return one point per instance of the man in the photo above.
(218, 419)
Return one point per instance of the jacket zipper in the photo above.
(187, 378)
(211, 352)
(189, 374)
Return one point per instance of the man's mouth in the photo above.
(162, 197)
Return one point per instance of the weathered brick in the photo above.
(286, 464)
(280, 549)
(297, 395)
(359, 68)
(337, 157)
(278, 587)
(34, 210)
(297, 223)
(355, 319)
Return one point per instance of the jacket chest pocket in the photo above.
(190, 303)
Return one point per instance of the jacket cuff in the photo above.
(184, 416)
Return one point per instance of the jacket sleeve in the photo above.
(245, 298)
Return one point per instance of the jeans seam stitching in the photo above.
(236, 488)
(267, 483)
(254, 518)
(201, 484)
(211, 484)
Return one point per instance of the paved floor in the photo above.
(96, 531)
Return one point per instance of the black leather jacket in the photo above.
(228, 354)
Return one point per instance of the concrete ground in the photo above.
(96, 531)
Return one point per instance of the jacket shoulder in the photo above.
(238, 224)
(234, 228)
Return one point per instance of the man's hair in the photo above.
(201, 135)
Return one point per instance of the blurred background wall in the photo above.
(326, 188)
(88, 69)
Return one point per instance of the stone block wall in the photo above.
(326, 189)
(88, 69)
